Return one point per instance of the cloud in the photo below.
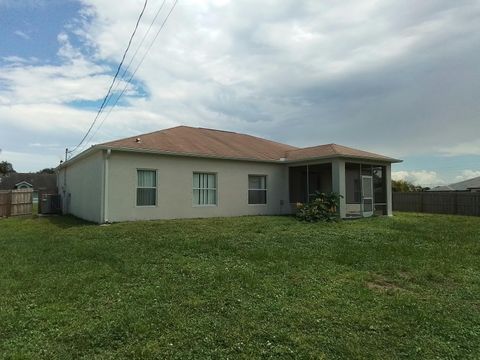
(419, 177)
(398, 78)
(21, 34)
(26, 161)
(468, 174)
(464, 148)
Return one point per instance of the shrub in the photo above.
(323, 207)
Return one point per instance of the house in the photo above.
(46, 183)
(472, 185)
(186, 172)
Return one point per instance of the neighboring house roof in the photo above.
(441, 188)
(46, 182)
(23, 183)
(201, 142)
(465, 185)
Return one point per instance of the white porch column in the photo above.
(388, 183)
(338, 184)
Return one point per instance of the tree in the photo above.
(405, 186)
(6, 168)
(47, 171)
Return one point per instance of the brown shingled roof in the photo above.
(205, 142)
(185, 140)
(333, 150)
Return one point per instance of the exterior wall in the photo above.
(174, 187)
(81, 187)
(82, 184)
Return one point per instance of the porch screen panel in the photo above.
(380, 190)
(319, 178)
(353, 183)
(379, 185)
(298, 184)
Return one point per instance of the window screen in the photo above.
(204, 189)
(146, 187)
(257, 189)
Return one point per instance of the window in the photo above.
(257, 189)
(146, 187)
(204, 189)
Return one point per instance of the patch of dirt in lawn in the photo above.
(383, 285)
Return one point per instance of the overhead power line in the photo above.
(125, 70)
(114, 79)
(137, 67)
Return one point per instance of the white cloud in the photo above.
(22, 34)
(26, 162)
(389, 76)
(463, 148)
(467, 174)
(419, 177)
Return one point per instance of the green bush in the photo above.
(323, 207)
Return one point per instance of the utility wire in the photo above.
(114, 79)
(137, 67)
(126, 69)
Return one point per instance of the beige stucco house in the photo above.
(187, 172)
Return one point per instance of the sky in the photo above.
(400, 78)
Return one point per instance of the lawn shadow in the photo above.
(65, 221)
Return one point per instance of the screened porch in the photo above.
(362, 185)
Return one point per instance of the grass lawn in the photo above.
(251, 287)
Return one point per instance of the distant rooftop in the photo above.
(473, 183)
(38, 181)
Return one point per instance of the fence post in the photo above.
(9, 206)
(455, 203)
(476, 204)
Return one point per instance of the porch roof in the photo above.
(334, 150)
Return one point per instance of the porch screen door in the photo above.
(367, 196)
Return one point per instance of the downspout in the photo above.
(105, 186)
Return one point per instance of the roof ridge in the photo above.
(249, 135)
(202, 128)
(143, 134)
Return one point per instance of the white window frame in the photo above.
(146, 187)
(194, 203)
(266, 189)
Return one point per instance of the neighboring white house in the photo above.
(187, 172)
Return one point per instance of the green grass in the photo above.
(251, 287)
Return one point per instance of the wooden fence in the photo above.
(438, 202)
(16, 202)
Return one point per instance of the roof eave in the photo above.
(80, 156)
(95, 148)
(335, 156)
(163, 152)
